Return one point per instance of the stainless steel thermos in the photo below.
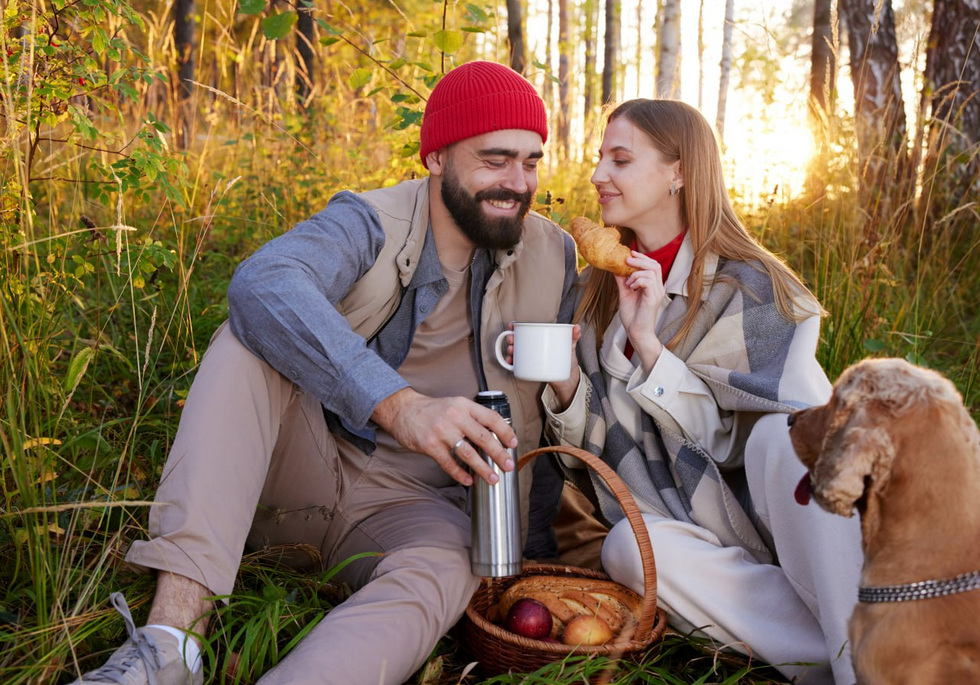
(495, 510)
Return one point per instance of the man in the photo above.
(335, 410)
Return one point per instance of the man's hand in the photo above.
(435, 425)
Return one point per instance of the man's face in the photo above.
(488, 182)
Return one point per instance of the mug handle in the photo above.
(499, 353)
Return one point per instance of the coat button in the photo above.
(658, 391)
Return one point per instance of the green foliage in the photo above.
(271, 610)
(277, 26)
(116, 249)
(251, 6)
(676, 660)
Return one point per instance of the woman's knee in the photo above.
(621, 556)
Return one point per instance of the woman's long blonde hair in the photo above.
(680, 132)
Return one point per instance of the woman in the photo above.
(686, 371)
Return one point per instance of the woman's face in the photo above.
(632, 178)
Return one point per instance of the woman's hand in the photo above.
(641, 297)
(565, 390)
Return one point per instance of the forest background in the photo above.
(148, 147)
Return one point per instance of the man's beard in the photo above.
(483, 231)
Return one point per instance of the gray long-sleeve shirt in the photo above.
(283, 306)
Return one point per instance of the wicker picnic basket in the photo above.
(499, 651)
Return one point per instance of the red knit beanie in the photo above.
(476, 98)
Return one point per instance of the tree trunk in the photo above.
(823, 58)
(184, 45)
(611, 51)
(951, 92)
(822, 98)
(549, 85)
(668, 65)
(564, 104)
(272, 73)
(304, 46)
(639, 46)
(726, 69)
(879, 108)
(515, 35)
(589, 9)
(701, 54)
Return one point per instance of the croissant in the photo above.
(600, 246)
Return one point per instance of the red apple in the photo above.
(587, 630)
(529, 617)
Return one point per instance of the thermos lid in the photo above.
(496, 400)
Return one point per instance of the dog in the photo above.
(896, 444)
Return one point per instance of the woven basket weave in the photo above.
(500, 651)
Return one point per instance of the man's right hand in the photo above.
(435, 425)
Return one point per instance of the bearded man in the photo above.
(335, 410)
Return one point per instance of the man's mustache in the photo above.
(502, 195)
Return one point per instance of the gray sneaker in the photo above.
(149, 657)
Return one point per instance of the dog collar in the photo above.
(924, 589)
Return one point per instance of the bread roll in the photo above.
(600, 246)
(567, 598)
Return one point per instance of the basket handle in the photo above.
(648, 612)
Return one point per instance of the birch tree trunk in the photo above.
(549, 86)
(668, 64)
(639, 46)
(951, 94)
(515, 35)
(726, 70)
(879, 110)
(589, 10)
(701, 55)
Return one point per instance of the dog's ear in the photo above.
(858, 457)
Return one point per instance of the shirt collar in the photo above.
(429, 269)
(677, 279)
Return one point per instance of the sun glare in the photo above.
(767, 146)
(767, 158)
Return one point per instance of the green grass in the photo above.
(115, 253)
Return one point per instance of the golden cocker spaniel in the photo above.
(896, 443)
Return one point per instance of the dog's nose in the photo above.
(790, 419)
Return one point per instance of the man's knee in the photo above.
(440, 577)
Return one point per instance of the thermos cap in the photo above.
(496, 400)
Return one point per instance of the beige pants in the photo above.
(253, 462)
(789, 614)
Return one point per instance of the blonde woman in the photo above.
(686, 371)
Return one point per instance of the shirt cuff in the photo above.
(661, 386)
(566, 427)
(359, 402)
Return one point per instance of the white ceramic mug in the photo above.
(542, 351)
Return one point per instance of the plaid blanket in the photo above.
(766, 368)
